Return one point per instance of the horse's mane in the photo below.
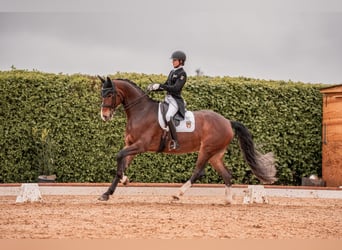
(132, 83)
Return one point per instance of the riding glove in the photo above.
(153, 86)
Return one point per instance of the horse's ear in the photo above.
(101, 78)
(109, 83)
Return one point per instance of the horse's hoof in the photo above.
(104, 197)
(175, 197)
(230, 202)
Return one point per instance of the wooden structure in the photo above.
(332, 135)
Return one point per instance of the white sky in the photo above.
(298, 40)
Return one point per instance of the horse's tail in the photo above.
(263, 166)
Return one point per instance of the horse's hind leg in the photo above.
(216, 162)
(202, 160)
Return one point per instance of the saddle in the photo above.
(183, 124)
(186, 124)
(177, 118)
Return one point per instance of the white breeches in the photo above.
(173, 107)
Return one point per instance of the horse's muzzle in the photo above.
(106, 114)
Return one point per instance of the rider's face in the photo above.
(175, 63)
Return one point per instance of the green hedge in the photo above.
(50, 123)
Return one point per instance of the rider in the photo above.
(173, 86)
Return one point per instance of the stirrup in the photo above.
(174, 145)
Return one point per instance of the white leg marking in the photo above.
(182, 190)
(185, 187)
(124, 180)
(229, 195)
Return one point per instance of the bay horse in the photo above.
(211, 137)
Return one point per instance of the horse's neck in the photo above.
(135, 102)
(144, 113)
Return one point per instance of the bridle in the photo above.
(105, 92)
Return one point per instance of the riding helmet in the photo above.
(180, 55)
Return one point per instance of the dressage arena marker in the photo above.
(29, 192)
(255, 194)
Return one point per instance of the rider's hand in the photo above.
(153, 86)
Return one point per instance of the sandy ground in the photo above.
(157, 217)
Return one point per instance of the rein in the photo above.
(136, 101)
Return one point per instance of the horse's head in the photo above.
(109, 98)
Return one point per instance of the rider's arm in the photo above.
(177, 87)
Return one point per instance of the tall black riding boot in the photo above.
(174, 143)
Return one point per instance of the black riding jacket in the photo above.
(174, 85)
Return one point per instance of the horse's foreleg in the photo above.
(123, 158)
(124, 179)
(121, 163)
(111, 189)
(115, 182)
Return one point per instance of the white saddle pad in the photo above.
(187, 125)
